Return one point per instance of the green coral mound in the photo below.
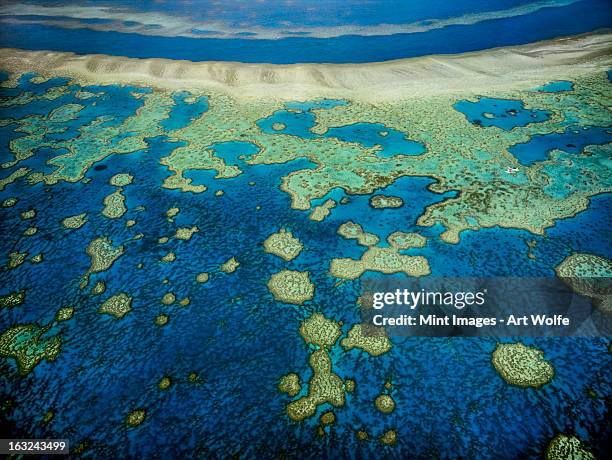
(30, 231)
(230, 266)
(12, 299)
(38, 258)
(118, 305)
(168, 298)
(383, 202)
(580, 265)
(172, 213)
(15, 259)
(290, 286)
(121, 179)
(325, 387)
(98, 288)
(162, 319)
(290, 384)
(588, 275)
(27, 345)
(389, 438)
(385, 260)
(29, 214)
(372, 340)
(319, 213)
(384, 403)
(327, 418)
(170, 257)
(351, 230)
(164, 383)
(320, 331)
(401, 240)
(564, 447)
(521, 365)
(64, 314)
(9, 202)
(135, 417)
(114, 205)
(186, 233)
(102, 255)
(284, 245)
(74, 222)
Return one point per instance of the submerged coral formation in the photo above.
(385, 403)
(102, 254)
(372, 340)
(230, 265)
(564, 447)
(588, 275)
(186, 233)
(290, 384)
(320, 331)
(324, 387)
(351, 230)
(117, 305)
(283, 244)
(383, 201)
(380, 259)
(135, 417)
(25, 343)
(64, 314)
(321, 212)
(76, 221)
(291, 286)
(389, 438)
(521, 365)
(121, 179)
(12, 299)
(114, 205)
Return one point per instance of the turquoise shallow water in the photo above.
(450, 401)
(556, 87)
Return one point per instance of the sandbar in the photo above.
(512, 67)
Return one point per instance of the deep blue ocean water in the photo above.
(450, 400)
(460, 27)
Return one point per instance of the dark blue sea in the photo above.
(451, 403)
(329, 31)
(233, 336)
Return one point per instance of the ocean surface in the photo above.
(331, 31)
(235, 337)
(226, 350)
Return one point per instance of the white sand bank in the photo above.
(511, 67)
